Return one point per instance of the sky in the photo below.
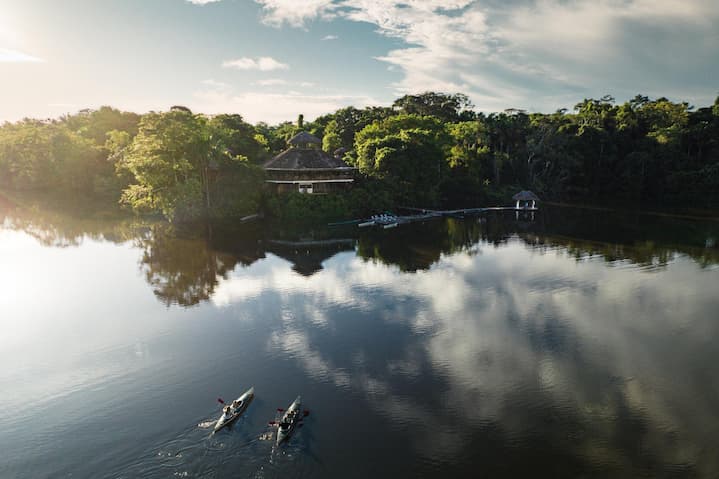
(270, 60)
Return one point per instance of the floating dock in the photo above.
(471, 211)
(387, 221)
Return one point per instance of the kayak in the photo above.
(236, 409)
(289, 421)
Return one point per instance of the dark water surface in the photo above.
(579, 343)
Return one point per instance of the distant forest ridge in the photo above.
(428, 150)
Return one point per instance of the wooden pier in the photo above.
(526, 202)
(471, 211)
(387, 221)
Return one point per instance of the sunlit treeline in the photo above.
(425, 150)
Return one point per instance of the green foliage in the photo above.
(346, 122)
(317, 127)
(263, 143)
(399, 123)
(448, 108)
(239, 138)
(37, 155)
(277, 137)
(95, 124)
(184, 168)
(164, 159)
(366, 198)
(301, 208)
(331, 142)
(408, 152)
(236, 189)
(468, 154)
(427, 150)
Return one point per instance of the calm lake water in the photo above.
(577, 343)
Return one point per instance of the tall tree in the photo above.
(449, 108)
(167, 159)
(408, 152)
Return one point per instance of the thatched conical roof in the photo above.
(304, 158)
(303, 138)
(307, 260)
(525, 195)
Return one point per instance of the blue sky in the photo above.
(270, 60)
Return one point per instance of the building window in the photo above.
(305, 188)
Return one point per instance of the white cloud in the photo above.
(296, 344)
(64, 106)
(601, 319)
(295, 13)
(274, 107)
(14, 56)
(283, 82)
(215, 85)
(202, 2)
(264, 64)
(271, 82)
(540, 53)
(330, 37)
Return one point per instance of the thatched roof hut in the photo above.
(303, 138)
(308, 259)
(339, 152)
(300, 158)
(306, 168)
(525, 195)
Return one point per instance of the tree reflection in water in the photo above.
(647, 241)
(544, 357)
(184, 265)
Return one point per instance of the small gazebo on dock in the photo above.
(526, 200)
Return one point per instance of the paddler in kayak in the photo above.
(227, 412)
(231, 412)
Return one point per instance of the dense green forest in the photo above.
(426, 150)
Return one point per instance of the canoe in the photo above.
(241, 406)
(288, 423)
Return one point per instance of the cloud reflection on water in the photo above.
(518, 337)
(457, 331)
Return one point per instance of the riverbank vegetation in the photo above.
(427, 150)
